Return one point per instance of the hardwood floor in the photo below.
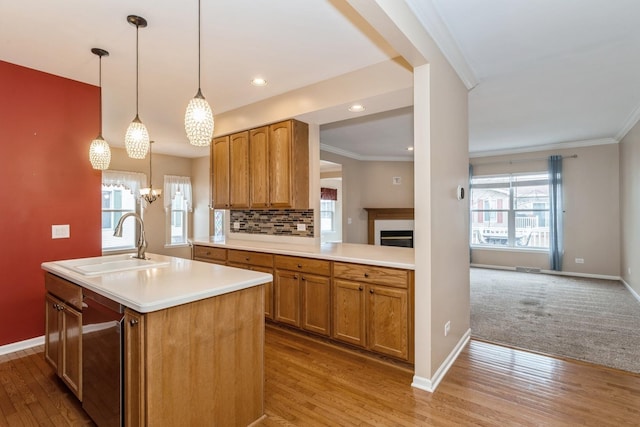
(313, 384)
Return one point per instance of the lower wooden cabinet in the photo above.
(367, 306)
(303, 296)
(63, 342)
(374, 316)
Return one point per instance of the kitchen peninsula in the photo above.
(193, 336)
(360, 296)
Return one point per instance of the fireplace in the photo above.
(401, 238)
(390, 226)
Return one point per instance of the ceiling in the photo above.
(541, 73)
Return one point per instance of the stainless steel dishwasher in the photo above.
(102, 343)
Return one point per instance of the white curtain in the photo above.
(177, 184)
(133, 181)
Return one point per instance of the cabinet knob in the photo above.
(295, 276)
(370, 291)
(133, 322)
(299, 265)
(207, 253)
(304, 278)
(247, 259)
(366, 274)
(360, 288)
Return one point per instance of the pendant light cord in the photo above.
(137, 61)
(100, 84)
(199, 45)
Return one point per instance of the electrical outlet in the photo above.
(60, 231)
(579, 260)
(236, 225)
(397, 180)
(447, 328)
(349, 221)
(302, 227)
(629, 270)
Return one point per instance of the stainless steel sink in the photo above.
(110, 264)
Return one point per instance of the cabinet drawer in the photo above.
(372, 274)
(306, 265)
(64, 290)
(206, 253)
(251, 258)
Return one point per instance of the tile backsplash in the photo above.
(273, 222)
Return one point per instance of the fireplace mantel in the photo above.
(384, 213)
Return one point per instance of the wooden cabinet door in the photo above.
(349, 321)
(220, 172)
(268, 291)
(239, 170)
(259, 161)
(52, 334)
(70, 364)
(134, 380)
(316, 304)
(280, 167)
(387, 321)
(287, 297)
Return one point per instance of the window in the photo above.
(177, 193)
(327, 215)
(120, 191)
(328, 198)
(510, 211)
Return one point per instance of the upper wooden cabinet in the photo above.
(259, 158)
(230, 171)
(289, 165)
(220, 172)
(266, 167)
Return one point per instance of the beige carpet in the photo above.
(592, 320)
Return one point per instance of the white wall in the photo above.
(200, 180)
(630, 208)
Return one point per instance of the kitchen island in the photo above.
(193, 336)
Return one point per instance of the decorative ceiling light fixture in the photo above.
(137, 138)
(150, 195)
(99, 151)
(356, 108)
(198, 119)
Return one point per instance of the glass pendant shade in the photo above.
(198, 121)
(99, 153)
(136, 139)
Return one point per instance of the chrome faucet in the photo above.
(142, 242)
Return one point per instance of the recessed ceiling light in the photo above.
(409, 148)
(258, 81)
(356, 108)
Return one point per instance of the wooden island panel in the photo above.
(203, 362)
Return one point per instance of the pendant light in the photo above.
(150, 195)
(99, 151)
(137, 138)
(198, 119)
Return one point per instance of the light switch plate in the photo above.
(236, 225)
(302, 227)
(60, 231)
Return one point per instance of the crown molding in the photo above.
(355, 156)
(630, 123)
(429, 16)
(546, 147)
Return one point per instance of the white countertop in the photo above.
(180, 281)
(384, 256)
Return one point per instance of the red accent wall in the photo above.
(46, 126)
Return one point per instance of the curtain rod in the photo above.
(573, 156)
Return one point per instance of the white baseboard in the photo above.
(430, 385)
(21, 345)
(633, 292)
(559, 273)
